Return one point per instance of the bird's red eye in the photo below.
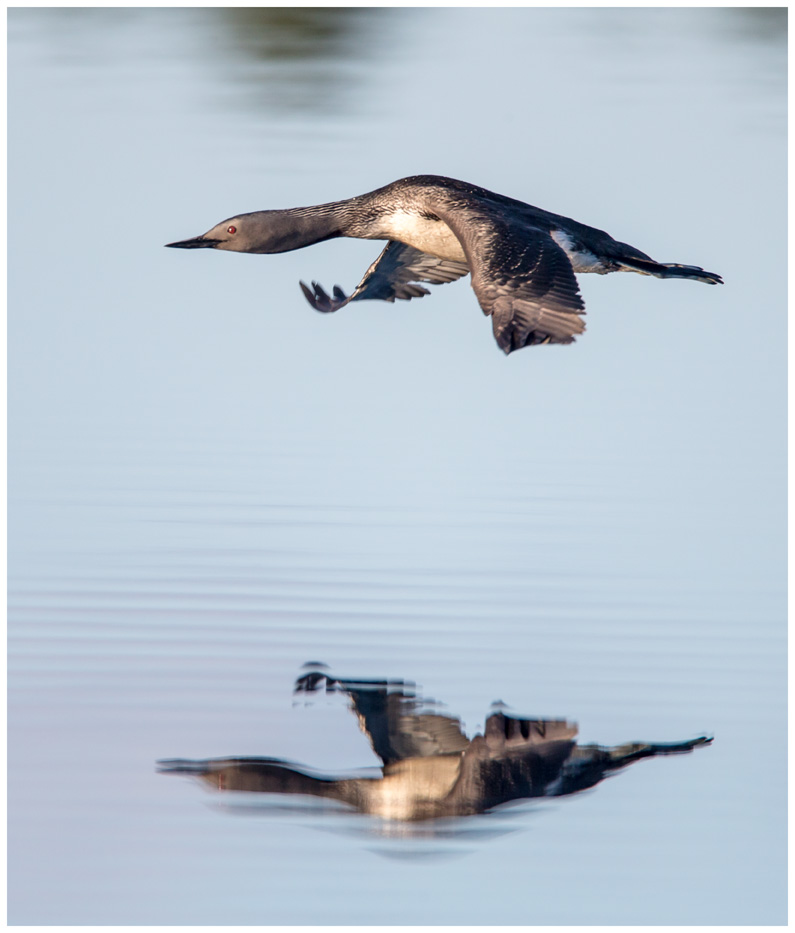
(231, 229)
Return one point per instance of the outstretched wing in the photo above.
(399, 723)
(514, 759)
(393, 275)
(522, 278)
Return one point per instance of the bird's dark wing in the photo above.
(398, 723)
(506, 735)
(399, 731)
(522, 278)
(515, 759)
(393, 275)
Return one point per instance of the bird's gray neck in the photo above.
(294, 228)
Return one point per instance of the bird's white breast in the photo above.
(419, 231)
(412, 786)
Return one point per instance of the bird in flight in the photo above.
(522, 259)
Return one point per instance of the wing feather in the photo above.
(399, 723)
(521, 277)
(393, 275)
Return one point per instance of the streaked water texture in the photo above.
(210, 483)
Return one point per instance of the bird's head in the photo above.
(258, 232)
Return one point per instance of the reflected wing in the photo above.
(395, 720)
(508, 734)
(515, 759)
(391, 276)
(522, 278)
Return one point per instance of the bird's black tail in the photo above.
(670, 270)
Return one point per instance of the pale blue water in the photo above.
(211, 484)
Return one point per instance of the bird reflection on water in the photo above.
(430, 769)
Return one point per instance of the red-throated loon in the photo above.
(430, 769)
(522, 258)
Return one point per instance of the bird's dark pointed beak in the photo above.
(197, 242)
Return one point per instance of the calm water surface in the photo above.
(211, 484)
